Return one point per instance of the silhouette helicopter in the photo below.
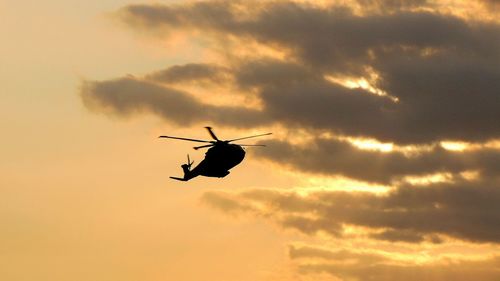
(219, 159)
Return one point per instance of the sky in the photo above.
(383, 163)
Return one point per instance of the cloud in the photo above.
(321, 36)
(442, 68)
(440, 73)
(338, 157)
(462, 209)
(128, 96)
(393, 4)
(399, 236)
(311, 252)
(492, 2)
(192, 72)
(402, 72)
(376, 266)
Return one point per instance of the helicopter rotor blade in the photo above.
(211, 132)
(187, 139)
(250, 137)
(203, 146)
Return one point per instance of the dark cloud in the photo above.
(441, 74)
(443, 69)
(399, 236)
(283, 86)
(444, 96)
(336, 157)
(295, 95)
(392, 4)
(327, 37)
(350, 265)
(192, 72)
(269, 73)
(128, 96)
(338, 41)
(461, 209)
(491, 2)
(438, 100)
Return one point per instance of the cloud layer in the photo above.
(431, 76)
(442, 69)
(341, 158)
(410, 73)
(463, 209)
(348, 265)
(128, 96)
(437, 78)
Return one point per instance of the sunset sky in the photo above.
(384, 163)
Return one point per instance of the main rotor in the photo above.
(216, 140)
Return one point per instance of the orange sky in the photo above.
(84, 188)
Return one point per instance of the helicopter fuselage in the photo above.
(219, 159)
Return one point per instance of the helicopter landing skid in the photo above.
(179, 179)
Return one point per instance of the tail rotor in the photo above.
(189, 164)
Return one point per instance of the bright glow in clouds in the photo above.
(432, 179)
(361, 83)
(454, 146)
(372, 144)
(316, 184)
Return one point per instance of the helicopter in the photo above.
(221, 156)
